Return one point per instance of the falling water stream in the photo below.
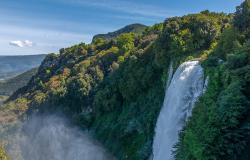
(183, 91)
(51, 138)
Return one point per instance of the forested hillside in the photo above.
(3, 155)
(115, 87)
(220, 125)
(134, 28)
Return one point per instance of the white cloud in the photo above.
(44, 40)
(19, 43)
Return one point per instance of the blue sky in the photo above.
(44, 26)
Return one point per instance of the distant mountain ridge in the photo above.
(11, 85)
(11, 66)
(135, 28)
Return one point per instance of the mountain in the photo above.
(13, 84)
(116, 89)
(11, 66)
(135, 28)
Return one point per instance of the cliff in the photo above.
(115, 88)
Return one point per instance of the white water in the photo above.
(52, 138)
(184, 90)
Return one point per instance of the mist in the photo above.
(54, 138)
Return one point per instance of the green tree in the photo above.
(228, 42)
(242, 16)
(3, 155)
(125, 42)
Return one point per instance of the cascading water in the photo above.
(184, 90)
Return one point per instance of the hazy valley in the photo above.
(11, 66)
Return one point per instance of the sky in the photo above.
(44, 26)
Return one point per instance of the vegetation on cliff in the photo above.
(115, 88)
(134, 28)
(220, 125)
(3, 155)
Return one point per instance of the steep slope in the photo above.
(220, 125)
(115, 89)
(134, 95)
(11, 66)
(11, 85)
(135, 28)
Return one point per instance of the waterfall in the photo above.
(185, 88)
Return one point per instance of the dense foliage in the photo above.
(134, 28)
(3, 155)
(115, 87)
(220, 125)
